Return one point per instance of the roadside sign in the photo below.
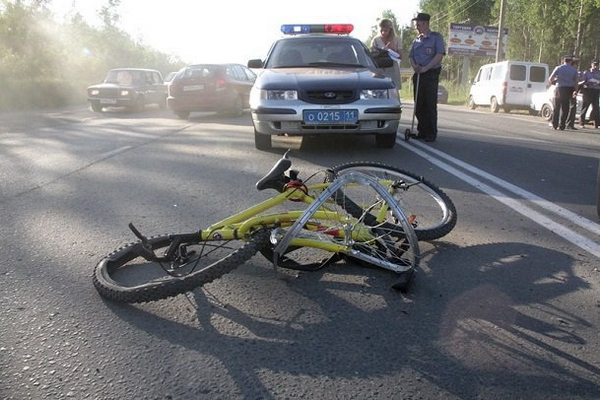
(474, 40)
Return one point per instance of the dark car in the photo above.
(211, 87)
(442, 94)
(318, 81)
(132, 88)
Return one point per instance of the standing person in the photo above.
(388, 40)
(564, 77)
(590, 83)
(425, 57)
(573, 102)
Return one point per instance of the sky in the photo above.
(232, 31)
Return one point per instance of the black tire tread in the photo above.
(162, 290)
(385, 141)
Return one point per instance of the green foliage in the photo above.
(46, 63)
(539, 31)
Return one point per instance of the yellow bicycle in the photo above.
(353, 212)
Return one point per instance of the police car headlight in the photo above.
(257, 94)
(281, 94)
(124, 93)
(373, 94)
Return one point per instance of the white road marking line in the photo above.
(556, 209)
(561, 230)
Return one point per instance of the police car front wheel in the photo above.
(385, 140)
(262, 142)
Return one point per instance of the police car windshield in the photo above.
(311, 52)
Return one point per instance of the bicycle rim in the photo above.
(392, 246)
(431, 212)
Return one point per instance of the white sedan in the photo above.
(542, 103)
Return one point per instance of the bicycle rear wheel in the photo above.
(430, 210)
(125, 276)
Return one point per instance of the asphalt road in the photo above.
(506, 306)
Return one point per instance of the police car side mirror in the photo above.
(255, 63)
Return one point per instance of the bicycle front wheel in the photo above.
(327, 232)
(125, 276)
(430, 210)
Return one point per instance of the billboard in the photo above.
(475, 40)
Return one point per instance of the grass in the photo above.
(457, 95)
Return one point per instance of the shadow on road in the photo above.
(489, 330)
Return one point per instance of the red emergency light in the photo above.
(340, 29)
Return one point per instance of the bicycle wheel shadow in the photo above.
(489, 328)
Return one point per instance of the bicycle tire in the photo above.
(434, 210)
(111, 286)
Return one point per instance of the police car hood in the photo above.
(322, 78)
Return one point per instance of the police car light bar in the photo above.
(317, 28)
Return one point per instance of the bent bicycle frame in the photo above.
(242, 224)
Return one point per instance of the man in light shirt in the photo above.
(565, 78)
(590, 91)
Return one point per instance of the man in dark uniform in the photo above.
(565, 78)
(590, 82)
(425, 57)
(573, 103)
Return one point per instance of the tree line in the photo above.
(49, 63)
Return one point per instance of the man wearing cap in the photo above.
(590, 82)
(564, 77)
(425, 57)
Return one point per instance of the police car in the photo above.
(318, 80)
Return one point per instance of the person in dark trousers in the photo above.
(425, 57)
(564, 77)
(590, 83)
(573, 103)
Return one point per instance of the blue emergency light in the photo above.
(294, 29)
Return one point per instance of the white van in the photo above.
(508, 85)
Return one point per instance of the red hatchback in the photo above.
(211, 87)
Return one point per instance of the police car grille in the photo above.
(329, 96)
(332, 127)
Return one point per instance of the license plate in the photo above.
(330, 116)
(108, 101)
(191, 88)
